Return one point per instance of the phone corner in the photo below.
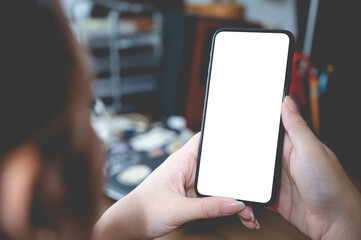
(218, 31)
(291, 38)
(289, 34)
(270, 202)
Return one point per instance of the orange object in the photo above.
(314, 104)
(221, 10)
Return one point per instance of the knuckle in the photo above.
(206, 209)
(298, 126)
(300, 123)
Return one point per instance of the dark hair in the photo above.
(38, 59)
(35, 69)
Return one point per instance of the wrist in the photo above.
(122, 221)
(347, 224)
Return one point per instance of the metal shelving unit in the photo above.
(127, 59)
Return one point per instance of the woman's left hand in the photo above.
(165, 200)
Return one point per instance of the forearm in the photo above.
(345, 230)
(120, 221)
(348, 224)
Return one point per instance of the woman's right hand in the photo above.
(315, 194)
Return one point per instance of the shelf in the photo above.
(127, 52)
(129, 85)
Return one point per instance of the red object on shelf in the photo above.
(301, 68)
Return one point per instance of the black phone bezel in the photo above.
(286, 88)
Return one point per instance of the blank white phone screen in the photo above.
(243, 113)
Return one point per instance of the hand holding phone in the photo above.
(242, 134)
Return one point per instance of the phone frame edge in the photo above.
(286, 88)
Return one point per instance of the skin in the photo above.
(315, 195)
(17, 181)
(164, 201)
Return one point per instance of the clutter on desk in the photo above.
(134, 146)
(111, 127)
(154, 138)
(134, 175)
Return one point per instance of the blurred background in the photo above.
(151, 60)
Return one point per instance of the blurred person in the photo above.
(51, 160)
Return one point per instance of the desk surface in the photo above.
(273, 226)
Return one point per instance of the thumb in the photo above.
(208, 207)
(297, 129)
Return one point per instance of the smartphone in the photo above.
(242, 133)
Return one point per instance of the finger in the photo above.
(209, 207)
(246, 214)
(251, 224)
(297, 129)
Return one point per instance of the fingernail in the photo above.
(232, 207)
(258, 226)
(252, 216)
(290, 104)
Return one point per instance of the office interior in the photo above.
(151, 64)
